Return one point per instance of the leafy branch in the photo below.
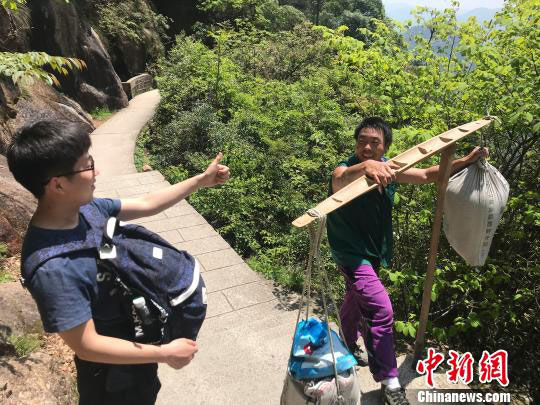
(24, 68)
(12, 4)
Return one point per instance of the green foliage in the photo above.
(141, 156)
(101, 113)
(4, 275)
(25, 344)
(116, 21)
(12, 4)
(353, 14)
(287, 56)
(121, 20)
(211, 103)
(24, 68)
(282, 109)
(266, 15)
(228, 10)
(275, 18)
(127, 27)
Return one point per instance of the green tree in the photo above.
(353, 14)
(264, 15)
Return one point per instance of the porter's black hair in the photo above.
(376, 123)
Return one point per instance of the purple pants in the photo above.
(367, 310)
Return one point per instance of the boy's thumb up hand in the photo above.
(215, 173)
(217, 159)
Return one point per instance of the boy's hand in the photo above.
(477, 153)
(215, 173)
(179, 352)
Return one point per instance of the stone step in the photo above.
(255, 339)
(141, 177)
(229, 370)
(132, 192)
(229, 277)
(249, 320)
(128, 183)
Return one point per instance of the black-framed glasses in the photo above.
(91, 167)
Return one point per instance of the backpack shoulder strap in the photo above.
(93, 217)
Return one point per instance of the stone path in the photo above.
(245, 341)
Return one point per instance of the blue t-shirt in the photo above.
(70, 290)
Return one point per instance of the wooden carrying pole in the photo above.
(445, 167)
(404, 160)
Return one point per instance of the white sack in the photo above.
(474, 203)
(322, 391)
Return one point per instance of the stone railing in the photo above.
(137, 85)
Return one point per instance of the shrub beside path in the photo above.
(245, 341)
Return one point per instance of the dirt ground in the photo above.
(46, 376)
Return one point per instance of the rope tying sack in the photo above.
(316, 229)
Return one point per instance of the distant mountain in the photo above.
(482, 14)
(402, 12)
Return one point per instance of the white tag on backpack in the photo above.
(204, 296)
(107, 252)
(157, 253)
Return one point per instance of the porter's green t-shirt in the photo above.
(362, 229)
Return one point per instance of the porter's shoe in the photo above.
(393, 396)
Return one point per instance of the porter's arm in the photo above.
(380, 172)
(431, 174)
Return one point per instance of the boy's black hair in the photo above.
(376, 123)
(44, 149)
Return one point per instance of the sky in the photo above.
(464, 4)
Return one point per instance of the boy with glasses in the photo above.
(51, 160)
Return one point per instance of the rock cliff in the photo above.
(58, 29)
(93, 31)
